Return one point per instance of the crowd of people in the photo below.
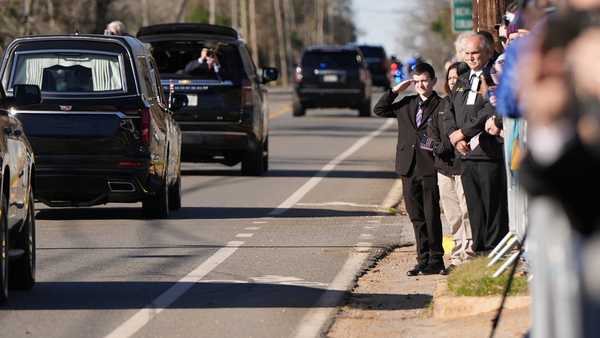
(519, 122)
(491, 134)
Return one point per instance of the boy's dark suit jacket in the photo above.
(408, 149)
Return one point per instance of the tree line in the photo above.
(275, 30)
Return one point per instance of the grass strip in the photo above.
(474, 278)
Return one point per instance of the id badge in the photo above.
(425, 142)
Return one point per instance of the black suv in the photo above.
(332, 76)
(226, 117)
(102, 131)
(378, 64)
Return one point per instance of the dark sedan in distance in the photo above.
(103, 131)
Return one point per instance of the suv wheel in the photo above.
(157, 206)
(298, 109)
(253, 163)
(4, 250)
(22, 269)
(364, 110)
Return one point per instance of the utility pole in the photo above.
(253, 42)
(234, 15)
(487, 13)
(281, 42)
(212, 9)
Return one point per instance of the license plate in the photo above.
(330, 78)
(192, 99)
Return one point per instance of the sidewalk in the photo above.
(387, 303)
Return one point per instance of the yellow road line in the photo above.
(287, 108)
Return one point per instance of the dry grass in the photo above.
(475, 279)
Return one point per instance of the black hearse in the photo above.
(102, 132)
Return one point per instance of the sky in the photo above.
(380, 21)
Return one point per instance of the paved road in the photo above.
(245, 256)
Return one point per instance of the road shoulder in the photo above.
(387, 303)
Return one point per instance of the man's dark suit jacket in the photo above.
(471, 120)
(408, 149)
(196, 68)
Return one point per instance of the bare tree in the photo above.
(281, 42)
(180, 11)
(253, 41)
(320, 17)
(288, 19)
(145, 13)
(211, 11)
(234, 14)
(244, 18)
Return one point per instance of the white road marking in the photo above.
(310, 184)
(394, 196)
(374, 221)
(286, 280)
(244, 235)
(366, 236)
(339, 204)
(370, 227)
(252, 228)
(163, 301)
(363, 246)
(314, 320)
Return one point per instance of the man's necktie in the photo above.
(419, 117)
(474, 83)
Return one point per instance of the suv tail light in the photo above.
(145, 125)
(299, 75)
(247, 95)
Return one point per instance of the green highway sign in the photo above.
(462, 15)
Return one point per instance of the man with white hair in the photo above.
(482, 154)
(115, 28)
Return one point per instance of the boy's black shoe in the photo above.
(416, 270)
(434, 269)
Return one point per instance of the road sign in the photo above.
(462, 15)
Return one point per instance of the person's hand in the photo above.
(491, 128)
(456, 136)
(463, 147)
(484, 87)
(402, 86)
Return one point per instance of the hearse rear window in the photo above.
(69, 71)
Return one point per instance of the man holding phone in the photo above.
(207, 65)
(415, 164)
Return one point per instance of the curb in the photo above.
(446, 306)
